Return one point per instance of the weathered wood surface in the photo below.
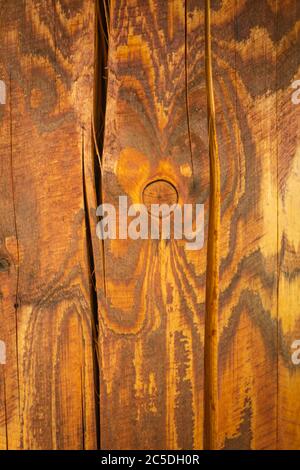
(255, 59)
(150, 294)
(152, 313)
(255, 46)
(288, 148)
(47, 391)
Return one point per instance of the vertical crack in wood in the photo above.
(187, 85)
(100, 95)
(17, 265)
(97, 134)
(212, 272)
(94, 300)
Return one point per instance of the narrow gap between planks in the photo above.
(97, 133)
(212, 269)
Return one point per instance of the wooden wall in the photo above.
(114, 344)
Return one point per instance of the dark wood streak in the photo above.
(244, 435)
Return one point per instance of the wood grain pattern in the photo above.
(288, 148)
(194, 348)
(47, 385)
(152, 313)
(255, 51)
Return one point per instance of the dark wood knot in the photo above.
(4, 265)
(159, 192)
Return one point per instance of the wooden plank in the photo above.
(244, 38)
(288, 118)
(152, 306)
(48, 395)
(256, 58)
(10, 396)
